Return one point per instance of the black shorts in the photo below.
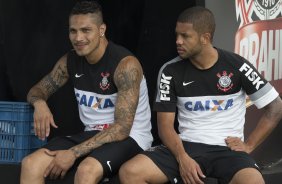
(215, 161)
(110, 155)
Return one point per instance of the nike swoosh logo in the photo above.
(77, 76)
(187, 83)
(108, 163)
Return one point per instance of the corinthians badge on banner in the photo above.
(259, 37)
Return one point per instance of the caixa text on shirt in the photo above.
(209, 105)
(94, 102)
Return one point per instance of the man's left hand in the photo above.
(236, 144)
(63, 160)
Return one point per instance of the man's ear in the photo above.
(102, 29)
(205, 38)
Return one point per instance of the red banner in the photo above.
(260, 40)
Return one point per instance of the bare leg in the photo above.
(89, 171)
(247, 175)
(139, 170)
(33, 167)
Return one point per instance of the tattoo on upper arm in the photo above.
(53, 81)
(60, 75)
(49, 84)
(127, 80)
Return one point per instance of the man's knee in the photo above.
(32, 162)
(248, 175)
(34, 166)
(128, 170)
(85, 169)
(140, 169)
(90, 169)
(27, 161)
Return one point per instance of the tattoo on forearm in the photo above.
(109, 135)
(272, 111)
(31, 99)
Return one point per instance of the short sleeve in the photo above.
(259, 90)
(166, 99)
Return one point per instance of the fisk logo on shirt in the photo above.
(94, 102)
(164, 87)
(209, 105)
(251, 75)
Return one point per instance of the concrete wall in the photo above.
(226, 24)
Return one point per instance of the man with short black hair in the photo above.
(112, 98)
(207, 86)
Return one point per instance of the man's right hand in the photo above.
(190, 170)
(43, 118)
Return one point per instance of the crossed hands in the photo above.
(236, 144)
(63, 160)
(190, 170)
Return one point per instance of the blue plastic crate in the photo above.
(17, 137)
(16, 111)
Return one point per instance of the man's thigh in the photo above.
(66, 142)
(113, 155)
(110, 155)
(166, 162)
(225, 164)
(247, 175)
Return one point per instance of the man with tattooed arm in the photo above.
(113, 104)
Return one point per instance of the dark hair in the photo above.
(85, 7)
(202, 19)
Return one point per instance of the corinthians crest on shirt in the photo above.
(224, 82)
(104, 84)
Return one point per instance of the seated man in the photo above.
(208, 87)
(113, 104)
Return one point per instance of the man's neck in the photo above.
(96, 55)
(206, 59)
